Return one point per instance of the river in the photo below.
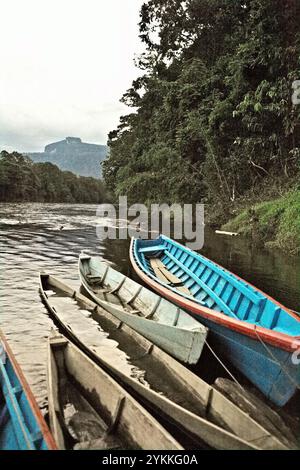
(49, 237)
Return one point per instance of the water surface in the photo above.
(49, 237)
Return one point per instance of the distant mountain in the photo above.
(73, 155)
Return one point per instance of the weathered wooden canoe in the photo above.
(257, 334)
(255, 407)
(157, 379)
(165, 324)
(22, 426)
(89, 410)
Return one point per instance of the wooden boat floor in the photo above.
(113, 298)
(164, 275)
(83, 427)
(104, 337)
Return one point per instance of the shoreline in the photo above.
(270, 224)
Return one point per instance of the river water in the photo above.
(49, 237)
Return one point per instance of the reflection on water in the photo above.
(82, 426)
(82, 423)
(115, 347)
(92, 334)
(49, 237)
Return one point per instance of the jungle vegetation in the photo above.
(212, 116)
(22, 180)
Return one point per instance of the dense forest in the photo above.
(23, 180)
(212, 116)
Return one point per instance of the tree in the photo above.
(212, 113)
(23, 180)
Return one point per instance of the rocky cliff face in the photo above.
(73, 155)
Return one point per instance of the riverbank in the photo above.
(273, 223)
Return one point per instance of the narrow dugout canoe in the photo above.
(159, 381)
(89, 410)
(257, 334)
(166, 325)
(22, 426)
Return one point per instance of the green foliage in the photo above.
(278, 222)
(23, 180)
(213, 114)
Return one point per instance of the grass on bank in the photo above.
(274, 223)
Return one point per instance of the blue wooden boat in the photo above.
(22, 426)
(256, 333)
(160, 382)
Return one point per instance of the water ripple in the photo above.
(31, 240)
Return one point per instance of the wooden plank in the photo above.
(131, 421)
(207, 289)
(157, 270)
(152, 249)
(230, 234)
(255, 297)
(258, 410)
(53, 399)
(190, 387)
(155, 320)
(162, 273)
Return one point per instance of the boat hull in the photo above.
(22, 426)
(186, 387)
(266, 357)
(124, 421)
(271, 370)
(172, 329)
(277, 380)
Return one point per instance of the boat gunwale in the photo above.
(135, 385)
(124, 394)
(282, 340)
(45, 431)
(198, 327)
(188, 250)
(144, 318)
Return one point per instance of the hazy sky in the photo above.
(64, 65)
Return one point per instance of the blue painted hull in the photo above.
(256, 333)
(251, 358)
(22, 427)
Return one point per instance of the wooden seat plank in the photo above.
(152, 249)
(164, 275)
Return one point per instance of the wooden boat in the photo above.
(162, 322)
(22, 426)
(163, 384)
(89, 410)
(256, 333)
(257, 408)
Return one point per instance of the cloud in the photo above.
(64, 66)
